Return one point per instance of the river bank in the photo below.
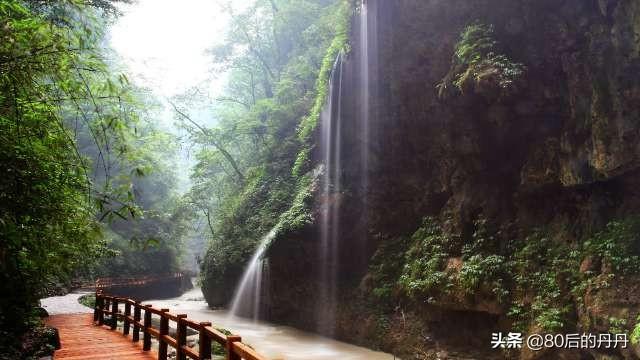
(271, 340)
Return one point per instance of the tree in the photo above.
(54, 83)
(272, 53)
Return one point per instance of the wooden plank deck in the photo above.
(80, 339)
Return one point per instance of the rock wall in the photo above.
(560, 150)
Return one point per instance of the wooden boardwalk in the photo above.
(80, 339)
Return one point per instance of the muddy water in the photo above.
(272, 341)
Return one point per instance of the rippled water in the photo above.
(273, 341)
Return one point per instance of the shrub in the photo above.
(484, 270)
(425, 261)
(635, 333)
(88, 300)
(476, 57)
(617, 245)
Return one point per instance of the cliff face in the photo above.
(570, 125)
(534, 143)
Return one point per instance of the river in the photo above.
(270, 340)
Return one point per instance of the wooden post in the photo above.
(204, 342)
(164, 330)
(105, 306)
(127, 313)
(146, 341)
(136, 319)
(230, 354)
(114, 314)
(100, 305)
(181, 337)
(96, 313)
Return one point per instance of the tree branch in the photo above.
(213, 142)
(229, 99)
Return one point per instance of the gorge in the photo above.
(471, 163)
(379, 178)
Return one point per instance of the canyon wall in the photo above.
(527, 154)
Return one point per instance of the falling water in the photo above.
(329, 230)
(368, 65)
(364, 93)
(366, 118)
(331, 151)
(247, 299)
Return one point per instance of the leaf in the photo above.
(151, 242)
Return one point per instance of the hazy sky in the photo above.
(164, 42)
(164, 45)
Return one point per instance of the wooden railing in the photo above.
(139, 317)
(103, 283)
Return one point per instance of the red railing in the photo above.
(103, 283)
(139, 317)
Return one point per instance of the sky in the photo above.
(163, 44)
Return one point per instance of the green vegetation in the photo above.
(617, 246)
(635, 333)
(386, 267)
(80, 163)
(88, 300)
(89, 185)
(477, 59)
(545, 268)
(424, 271)
(49, 203)
(253, 171)
(216, 348)
(536, 278)
(617, 326)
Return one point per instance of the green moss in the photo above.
(303, 161)
(299, 213)
(339, 43)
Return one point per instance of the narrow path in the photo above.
(81, 339)
(66, 304)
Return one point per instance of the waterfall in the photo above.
(366, 118)
(330, 145)
(364, 93)
(368, 65)
(247, 299)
